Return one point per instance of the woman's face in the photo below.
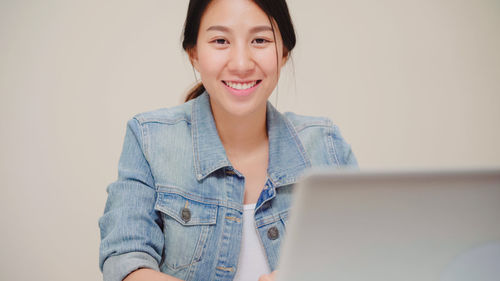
(236, 56)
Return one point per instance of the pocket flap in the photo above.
(175, 205)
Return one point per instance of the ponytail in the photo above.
(195, 92)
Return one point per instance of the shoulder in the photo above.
(319, 135)
(153, 129)
(165, 138)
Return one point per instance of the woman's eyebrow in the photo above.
(218, 28)
(252, 30)
(261, 28)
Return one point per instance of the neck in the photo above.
(242, 135)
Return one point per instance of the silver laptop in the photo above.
(394, 226)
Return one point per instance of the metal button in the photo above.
(186, 214)
(230, 173)
(273, 233)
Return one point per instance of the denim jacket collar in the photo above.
(287, 157)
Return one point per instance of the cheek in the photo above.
(267, 60)
(210, 63)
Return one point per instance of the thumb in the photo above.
(268, 277)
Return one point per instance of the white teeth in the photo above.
(241, 86)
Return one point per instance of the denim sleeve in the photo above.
(131, 234)
(343, 151)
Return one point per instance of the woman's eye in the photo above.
(260, 41)
(220, 41)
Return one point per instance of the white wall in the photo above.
(410, 83)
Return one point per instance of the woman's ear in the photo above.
(193, 58)
(286, 54)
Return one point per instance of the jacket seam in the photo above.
(331, 143)
(145, 152)
(145, 149)
(307, 126)
(298, 143)
(194, 138)
(199, 199)
(143, 142)
(167, 122)
(271, 219)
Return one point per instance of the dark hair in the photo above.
(274, 9)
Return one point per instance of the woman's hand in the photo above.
(268, 277)
(147, 274)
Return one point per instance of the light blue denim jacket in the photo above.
(177, 204)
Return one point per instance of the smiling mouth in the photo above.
(241, 85)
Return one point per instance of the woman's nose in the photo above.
(241, 60)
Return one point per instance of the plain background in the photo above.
(410, 83)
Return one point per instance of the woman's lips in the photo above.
(241, 88)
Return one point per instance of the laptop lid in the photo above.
(394, 226)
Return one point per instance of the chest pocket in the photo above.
(186, 226)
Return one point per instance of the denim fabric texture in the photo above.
(178, 202)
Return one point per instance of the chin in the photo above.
(243, 109)
(236, 107)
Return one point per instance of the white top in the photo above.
(252, 262)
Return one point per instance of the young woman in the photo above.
(204, 188)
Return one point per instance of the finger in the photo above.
(265, 277)
(268, 277)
